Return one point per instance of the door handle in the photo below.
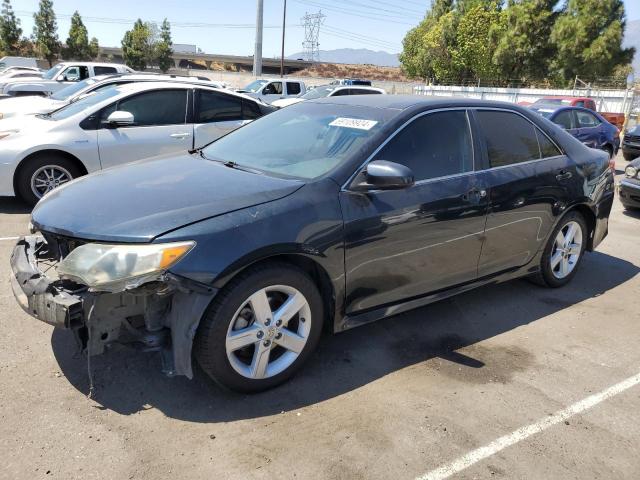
(474, 195)
(180, 136)
(563, 175)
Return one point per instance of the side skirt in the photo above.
(351, 321)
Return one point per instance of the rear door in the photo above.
(293, 88)
(406, 243)
(589, 131)
(160, 127)
(217, 114)
(528, 180)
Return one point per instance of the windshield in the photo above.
(67, 92)
(302, 141)
(254, 86)
(83, 104)
(52, 72)
(318, 92)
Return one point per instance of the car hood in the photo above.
(633, 131)
(28, 105)
(142, 200)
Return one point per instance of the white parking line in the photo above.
(9, 238)
(523, 433)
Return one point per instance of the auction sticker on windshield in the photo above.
(353, 123)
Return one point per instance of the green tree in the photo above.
(414, 58)
(78, 42)
(475, 46)
(137, 46)
(45, 31)
(588, 38)
(10, 30)
(524, 48)
(163, 50)
(94, 48)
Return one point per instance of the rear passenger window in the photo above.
(361, 91)
(104, 70)
(434, 145)
(218, 107)
(586, 119)
(547, 147)
(510, 138)
(293, 88)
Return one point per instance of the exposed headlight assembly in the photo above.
(115, 268)
(631, 171)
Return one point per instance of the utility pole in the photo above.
(257, 54)
(284, 20)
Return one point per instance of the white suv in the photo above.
(60, 76)
(117, 125)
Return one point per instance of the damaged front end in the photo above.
(112, 294)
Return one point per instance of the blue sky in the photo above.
(373, 24)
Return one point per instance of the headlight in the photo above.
(116, 268)
(630, 171)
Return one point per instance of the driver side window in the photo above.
(159, 107)
(433, 145)
(274, 88)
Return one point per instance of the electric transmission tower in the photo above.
(311, 45)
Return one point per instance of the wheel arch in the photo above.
(48, 151)
(589, 216)
(307, 263)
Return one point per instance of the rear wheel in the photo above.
(564, 251)
(44, 173)
(260, 329)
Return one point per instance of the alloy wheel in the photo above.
(47, 178)
(567, 249)
(268, 332)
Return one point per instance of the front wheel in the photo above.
(564, 251)
(42, 174)
(260, 329)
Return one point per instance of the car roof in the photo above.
(135, 87)
(404, 102)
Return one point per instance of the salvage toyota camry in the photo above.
(334, 213)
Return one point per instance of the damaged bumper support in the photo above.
(162, 314)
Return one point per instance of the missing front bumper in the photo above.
(162, 315)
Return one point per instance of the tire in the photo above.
(554, 276)
(42, 167)
(629, 156)
(233, 310)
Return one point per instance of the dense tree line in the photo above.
(518, 42)
(142, 46)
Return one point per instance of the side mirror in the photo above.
(120, 119)
(383, 175)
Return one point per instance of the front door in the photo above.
(406, 243)
(272, 91)
(528, 182)
(159, 127)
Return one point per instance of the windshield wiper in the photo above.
(227, 163)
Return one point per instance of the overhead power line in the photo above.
(379, 10)
(381, 18)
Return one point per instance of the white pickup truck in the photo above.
(59, 77)
(271, 90)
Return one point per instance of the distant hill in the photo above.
(632, 39)
(362, 56)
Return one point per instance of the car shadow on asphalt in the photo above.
(631, 213)
(128, 381)
(13, 205)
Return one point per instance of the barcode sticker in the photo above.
(353, 123)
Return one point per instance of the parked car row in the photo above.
(327, 214)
